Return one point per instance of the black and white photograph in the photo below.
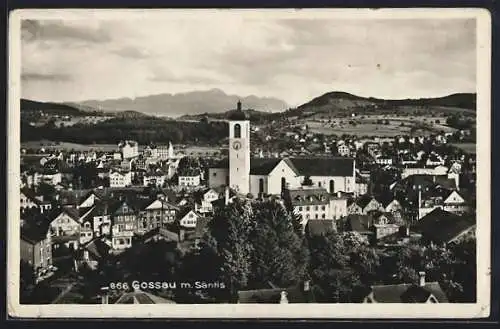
(211, 159)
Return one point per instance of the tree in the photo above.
(229, 238)
(279, 254)
(332, 278)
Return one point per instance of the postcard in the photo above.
(279, 163)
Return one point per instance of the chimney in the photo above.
(284, 299)
(104, 295)
(421, 277)
(307, 285)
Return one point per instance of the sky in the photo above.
(293, 59)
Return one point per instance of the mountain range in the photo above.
(217, 104)
(195, 102)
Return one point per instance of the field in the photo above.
(367, 125)
(50, 145)
(66, 146)
(467, 147)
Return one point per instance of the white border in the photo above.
(288, 311)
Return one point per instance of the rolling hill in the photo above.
(340, 103)
(50, 107)
(189, 103)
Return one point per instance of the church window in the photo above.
(237, 131)
(332, 186)
(261, 185)
(319, 184)
(283, 183)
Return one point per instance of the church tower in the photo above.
(239, 151)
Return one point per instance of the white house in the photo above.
(317, 203)
(191, 180)
(204, 204)
(120, 179)
(189, 219)
(154, 179)
(129, 149)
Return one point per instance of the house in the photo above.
(166, 152)
(153, 213)
(383, 160)
(101, 219)
(50, 177)
(29, 199)
(367, 204)
(361, 186)
(422, 292)
(129, 149)
(89, 199)
(204, 199)
(390, 204)
(316, 203)
(384, 225)
(189, 179)
(442, 227)
(157, 179)
(36, 249)
(188, 218)
(434, 160)
(65, 226)
(123, 220)
(362, 224)
(456, 203)
(151, 151)
(300, 293)
(120, 178)
(94, 252)
(86, 230)
(343, 150)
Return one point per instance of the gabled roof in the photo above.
(364, 200)
(408, 293)
(97, 248)
(334, 166)
(71, 211)
(441, 226)
(309, 196)
(263, 166)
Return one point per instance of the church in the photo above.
(270, 176)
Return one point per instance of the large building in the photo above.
(267, 176)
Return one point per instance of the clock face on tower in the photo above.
(236, 145)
